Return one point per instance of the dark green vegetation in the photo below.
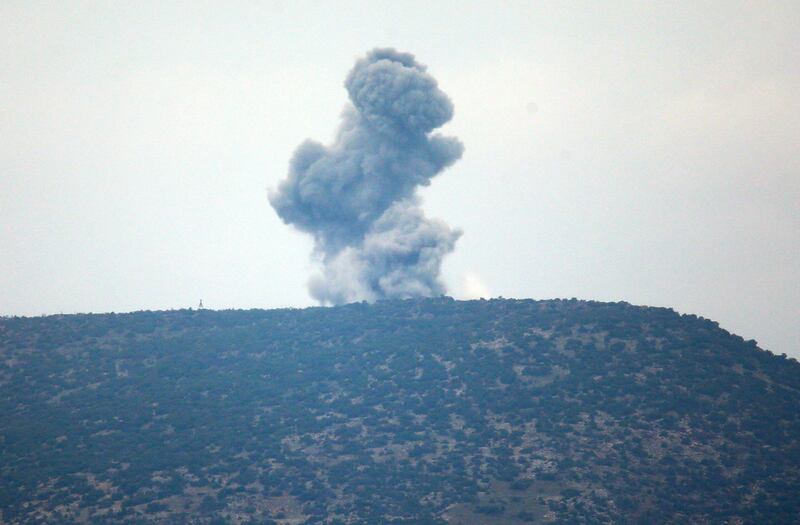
(427, 411)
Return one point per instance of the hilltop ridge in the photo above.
(419, 411)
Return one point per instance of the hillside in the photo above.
(424, 411)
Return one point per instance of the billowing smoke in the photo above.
(357, 196)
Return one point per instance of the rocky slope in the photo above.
(424, 411)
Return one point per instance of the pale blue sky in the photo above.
(634, 151)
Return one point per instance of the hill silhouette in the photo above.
(417, 411)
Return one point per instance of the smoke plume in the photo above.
(357, 196)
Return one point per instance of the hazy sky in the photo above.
(636, 151)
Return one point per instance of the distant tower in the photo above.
(200, 306)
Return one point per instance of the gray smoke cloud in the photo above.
(357, 196)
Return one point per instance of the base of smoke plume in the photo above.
(400, 258)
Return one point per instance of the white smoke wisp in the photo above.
(357, 196)
(472, 287)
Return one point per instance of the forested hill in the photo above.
(419, 411)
